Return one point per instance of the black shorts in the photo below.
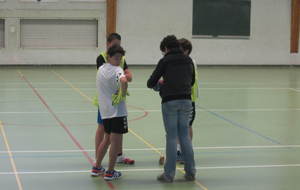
(117, 125)
(193, 114)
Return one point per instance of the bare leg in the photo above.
(120, 150)
(116, 143)
(102, 149)
(98, 138)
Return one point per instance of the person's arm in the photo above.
(123, 81)
(156, 75)
(193, 72)
(120, 95)
(124, 85)
(128, 75)
(127, 72)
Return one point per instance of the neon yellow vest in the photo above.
(195, 87)
(105, 56)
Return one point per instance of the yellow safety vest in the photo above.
(195, 87)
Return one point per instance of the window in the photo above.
(1, 33)
(36, 33)
(221, 18)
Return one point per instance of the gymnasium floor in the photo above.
(246, 132)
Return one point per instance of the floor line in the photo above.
(157, 169)
(11, 157)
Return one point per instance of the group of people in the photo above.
(175, 77)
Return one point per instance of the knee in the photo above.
(107, 140)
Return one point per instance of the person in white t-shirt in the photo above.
(112, 87)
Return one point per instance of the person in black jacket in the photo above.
(177, 71)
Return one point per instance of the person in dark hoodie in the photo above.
(178, 76)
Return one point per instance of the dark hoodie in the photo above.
(178, 73)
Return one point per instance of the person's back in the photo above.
(178, 75)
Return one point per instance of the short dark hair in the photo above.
(113, 36)
(115, 49)
(185, 45)
(169, 42)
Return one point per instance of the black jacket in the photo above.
(178, 73)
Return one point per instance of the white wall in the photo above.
(143, 23)
(15, 10)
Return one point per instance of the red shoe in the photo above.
(124, 160)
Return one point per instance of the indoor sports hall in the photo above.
(246, 132)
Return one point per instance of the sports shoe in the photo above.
(163, 178)
(189, 177)
(112, 175)
(123, 160)
(97, 171)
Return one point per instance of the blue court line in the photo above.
(240, 126)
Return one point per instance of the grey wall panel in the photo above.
(45, 33)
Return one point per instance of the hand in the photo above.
(128, 75)
(161, 81)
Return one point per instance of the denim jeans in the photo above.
(176, 120)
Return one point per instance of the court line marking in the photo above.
(158, 169)
(11, 158)
(134, 82)
(230, 88)
(162, 149)
(75, 141)
(66, 129)
(91, 100)
(142, 89)
(130, 130)
(78, 90)
(241, 126)
(158, 110)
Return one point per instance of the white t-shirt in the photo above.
(107, 82)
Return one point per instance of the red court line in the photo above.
(11, 157)
(75, 141)
(140, 117)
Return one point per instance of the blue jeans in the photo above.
(176, 120)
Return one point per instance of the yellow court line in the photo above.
(130, 130)
(73, 87)
(12, 162)
(145, 142)
(90, 99)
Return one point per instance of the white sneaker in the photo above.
(123, 160)
(112, 175)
